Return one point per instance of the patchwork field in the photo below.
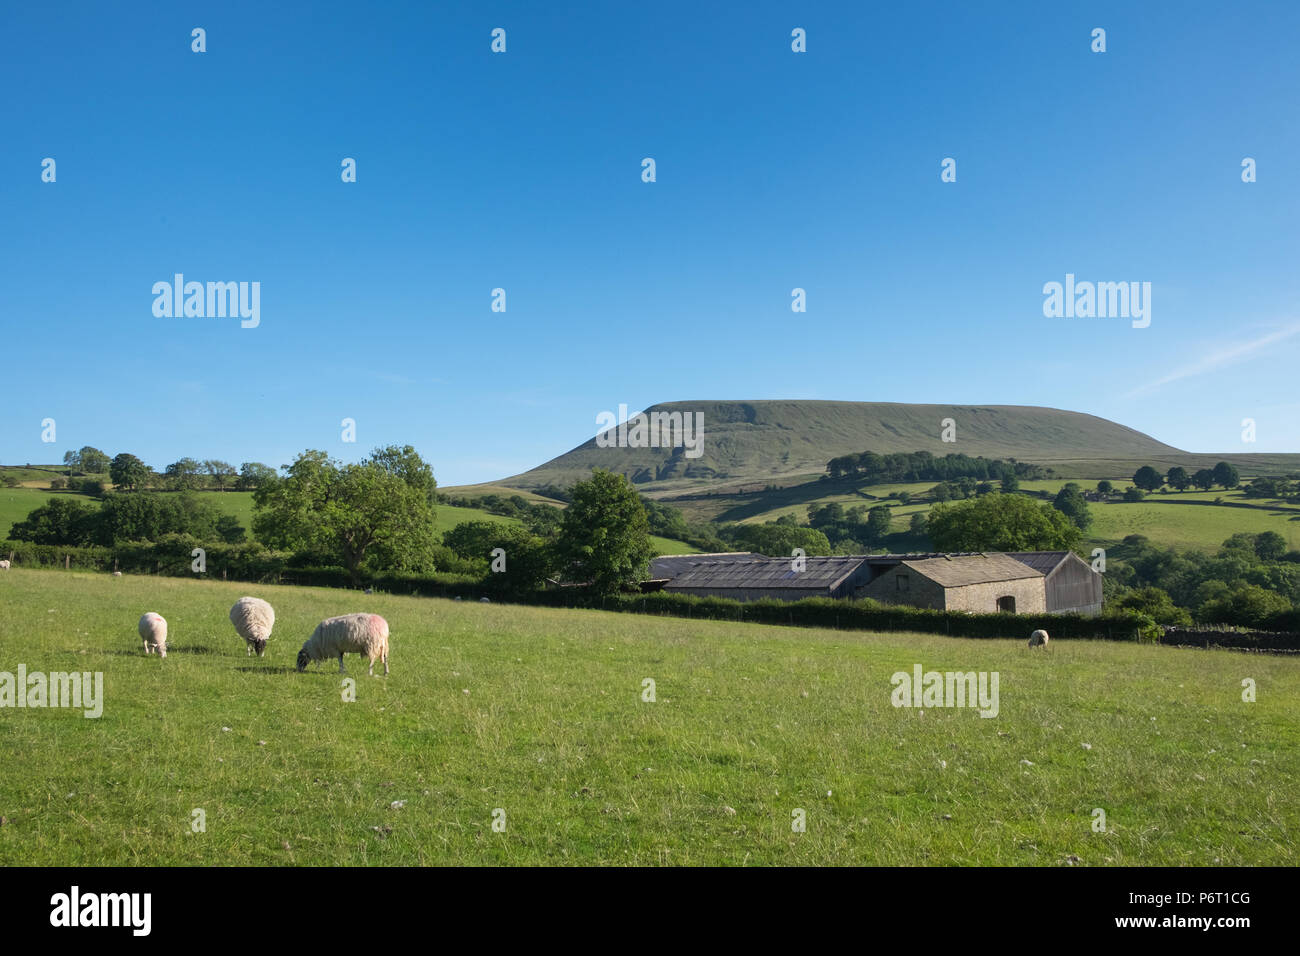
(538, 714)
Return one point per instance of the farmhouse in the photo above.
(962, 582)
(1071, 583)
(1026, 582)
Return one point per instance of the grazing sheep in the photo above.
(253, 619)
(364, 634)
(153, 629)
(1038, 639)
(117, 574)
(4, 565)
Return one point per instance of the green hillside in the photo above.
(779, 441)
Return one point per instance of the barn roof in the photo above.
(961, 570)
(1044, 561)
(825, 572)
(668, 566)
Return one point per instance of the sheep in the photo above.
(4, 565)
(117, 574)
(153, 629)
(364, 634)
(253, 619)
(1038, 639)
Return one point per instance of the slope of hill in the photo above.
(771, 440)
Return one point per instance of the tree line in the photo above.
(924, 466)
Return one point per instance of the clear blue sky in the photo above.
(522, 171)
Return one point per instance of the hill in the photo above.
(776, 440)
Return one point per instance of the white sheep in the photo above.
(117, 574)
(253, 619)
(4, 565)
(1038, 639)
(364, 634)
(153, 629)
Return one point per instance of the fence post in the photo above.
(67, 562)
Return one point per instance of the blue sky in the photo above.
(522, 170)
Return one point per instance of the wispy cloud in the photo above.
(1219, 358)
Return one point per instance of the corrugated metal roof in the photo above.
(823, 572)
(1044, 561)
(668, 566)
(959, 571)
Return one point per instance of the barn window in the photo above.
(903, 583)
(1007, 604)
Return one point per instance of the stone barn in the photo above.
(1072, 584)
(982, 583)
(752, 580)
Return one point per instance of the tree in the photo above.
(222, 473)
(918, 523)
(1226, 475)
(183, 475)
(1270, 546)
(1104, 487)
(1157, 603)
(1203, 479)
(1147, 478)
(253, 474)
(1001, 522)
(128, 472)
(229, 529)
(60, 520)
(348, 512)
(604, 537)
(779, 540)
(526, 561)
(92, 461)
(72, 460)
(878, 521)
(1010, 484)
(1070, 502)
(1178, 479)
(1134, 494)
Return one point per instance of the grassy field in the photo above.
(538, 713)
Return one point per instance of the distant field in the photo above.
(537, 714)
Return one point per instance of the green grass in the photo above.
(538, 712)
(17, 503)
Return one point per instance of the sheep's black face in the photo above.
(260, 647)
(302, 660)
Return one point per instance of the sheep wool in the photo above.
(364, 634)
(153, 630)
(1038, 639)
(253, 619)
(4, 565)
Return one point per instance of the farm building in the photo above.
(962, 582)
(751, 580)
(1071, 583)
(668, 566)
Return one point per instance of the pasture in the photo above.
(538, 713)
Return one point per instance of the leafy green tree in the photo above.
(779, 540)
(128, 472)
(1157, 604)
(1134, 494)
(92, 461)
(349, 512)
(1070, 502)
(1147, 478)
(918, 523)
(184, 475)
(1226, 475)
(878, 522)
(1010, 484)
(61, 520)
(1001, 522)
(253, 474)
(605, 534)
(149, 516)
(1203, 479)
(222, 473)
(1270, 546)
(1250, 605)
(72, 461)
(525, 564)
(1104, 487)
(1178, 479)
(230, 530)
